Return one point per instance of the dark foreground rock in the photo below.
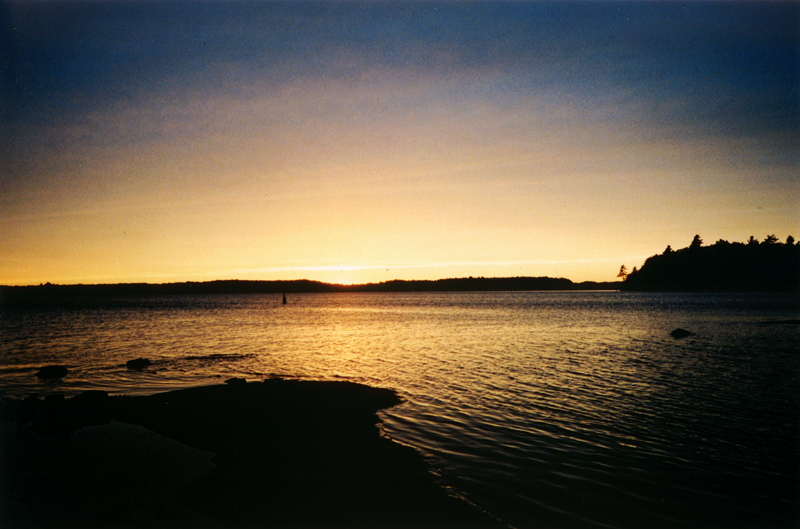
(287, 453)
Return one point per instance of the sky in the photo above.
(365, 141)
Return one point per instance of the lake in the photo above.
(545, 409)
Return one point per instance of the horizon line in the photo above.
(346, 285)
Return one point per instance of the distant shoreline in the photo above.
(44, 293)
(301, 286)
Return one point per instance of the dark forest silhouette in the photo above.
(10, 295)
(767, 265)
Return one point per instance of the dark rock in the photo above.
(309, 452)
(23, 411)
(681, 333)
(92, 407)
(54, 418)
(58, 422)
(139, 363)
(52, 372)
(92, 395)
(236, 381)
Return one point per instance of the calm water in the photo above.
(546, 409)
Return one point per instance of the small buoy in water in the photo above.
(284, 299)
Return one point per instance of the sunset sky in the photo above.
(366, 141)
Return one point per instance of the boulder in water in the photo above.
(681, 333)
(139, 363)
(236, 381)
(52, 372)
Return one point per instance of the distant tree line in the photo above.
(47, 293)
(767, 265)
(470, 284)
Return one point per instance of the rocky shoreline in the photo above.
(276, 453)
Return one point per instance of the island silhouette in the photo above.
(751, 266)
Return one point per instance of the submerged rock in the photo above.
(52, 372)
(139, 363)
(236, 381)
(681, 333)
